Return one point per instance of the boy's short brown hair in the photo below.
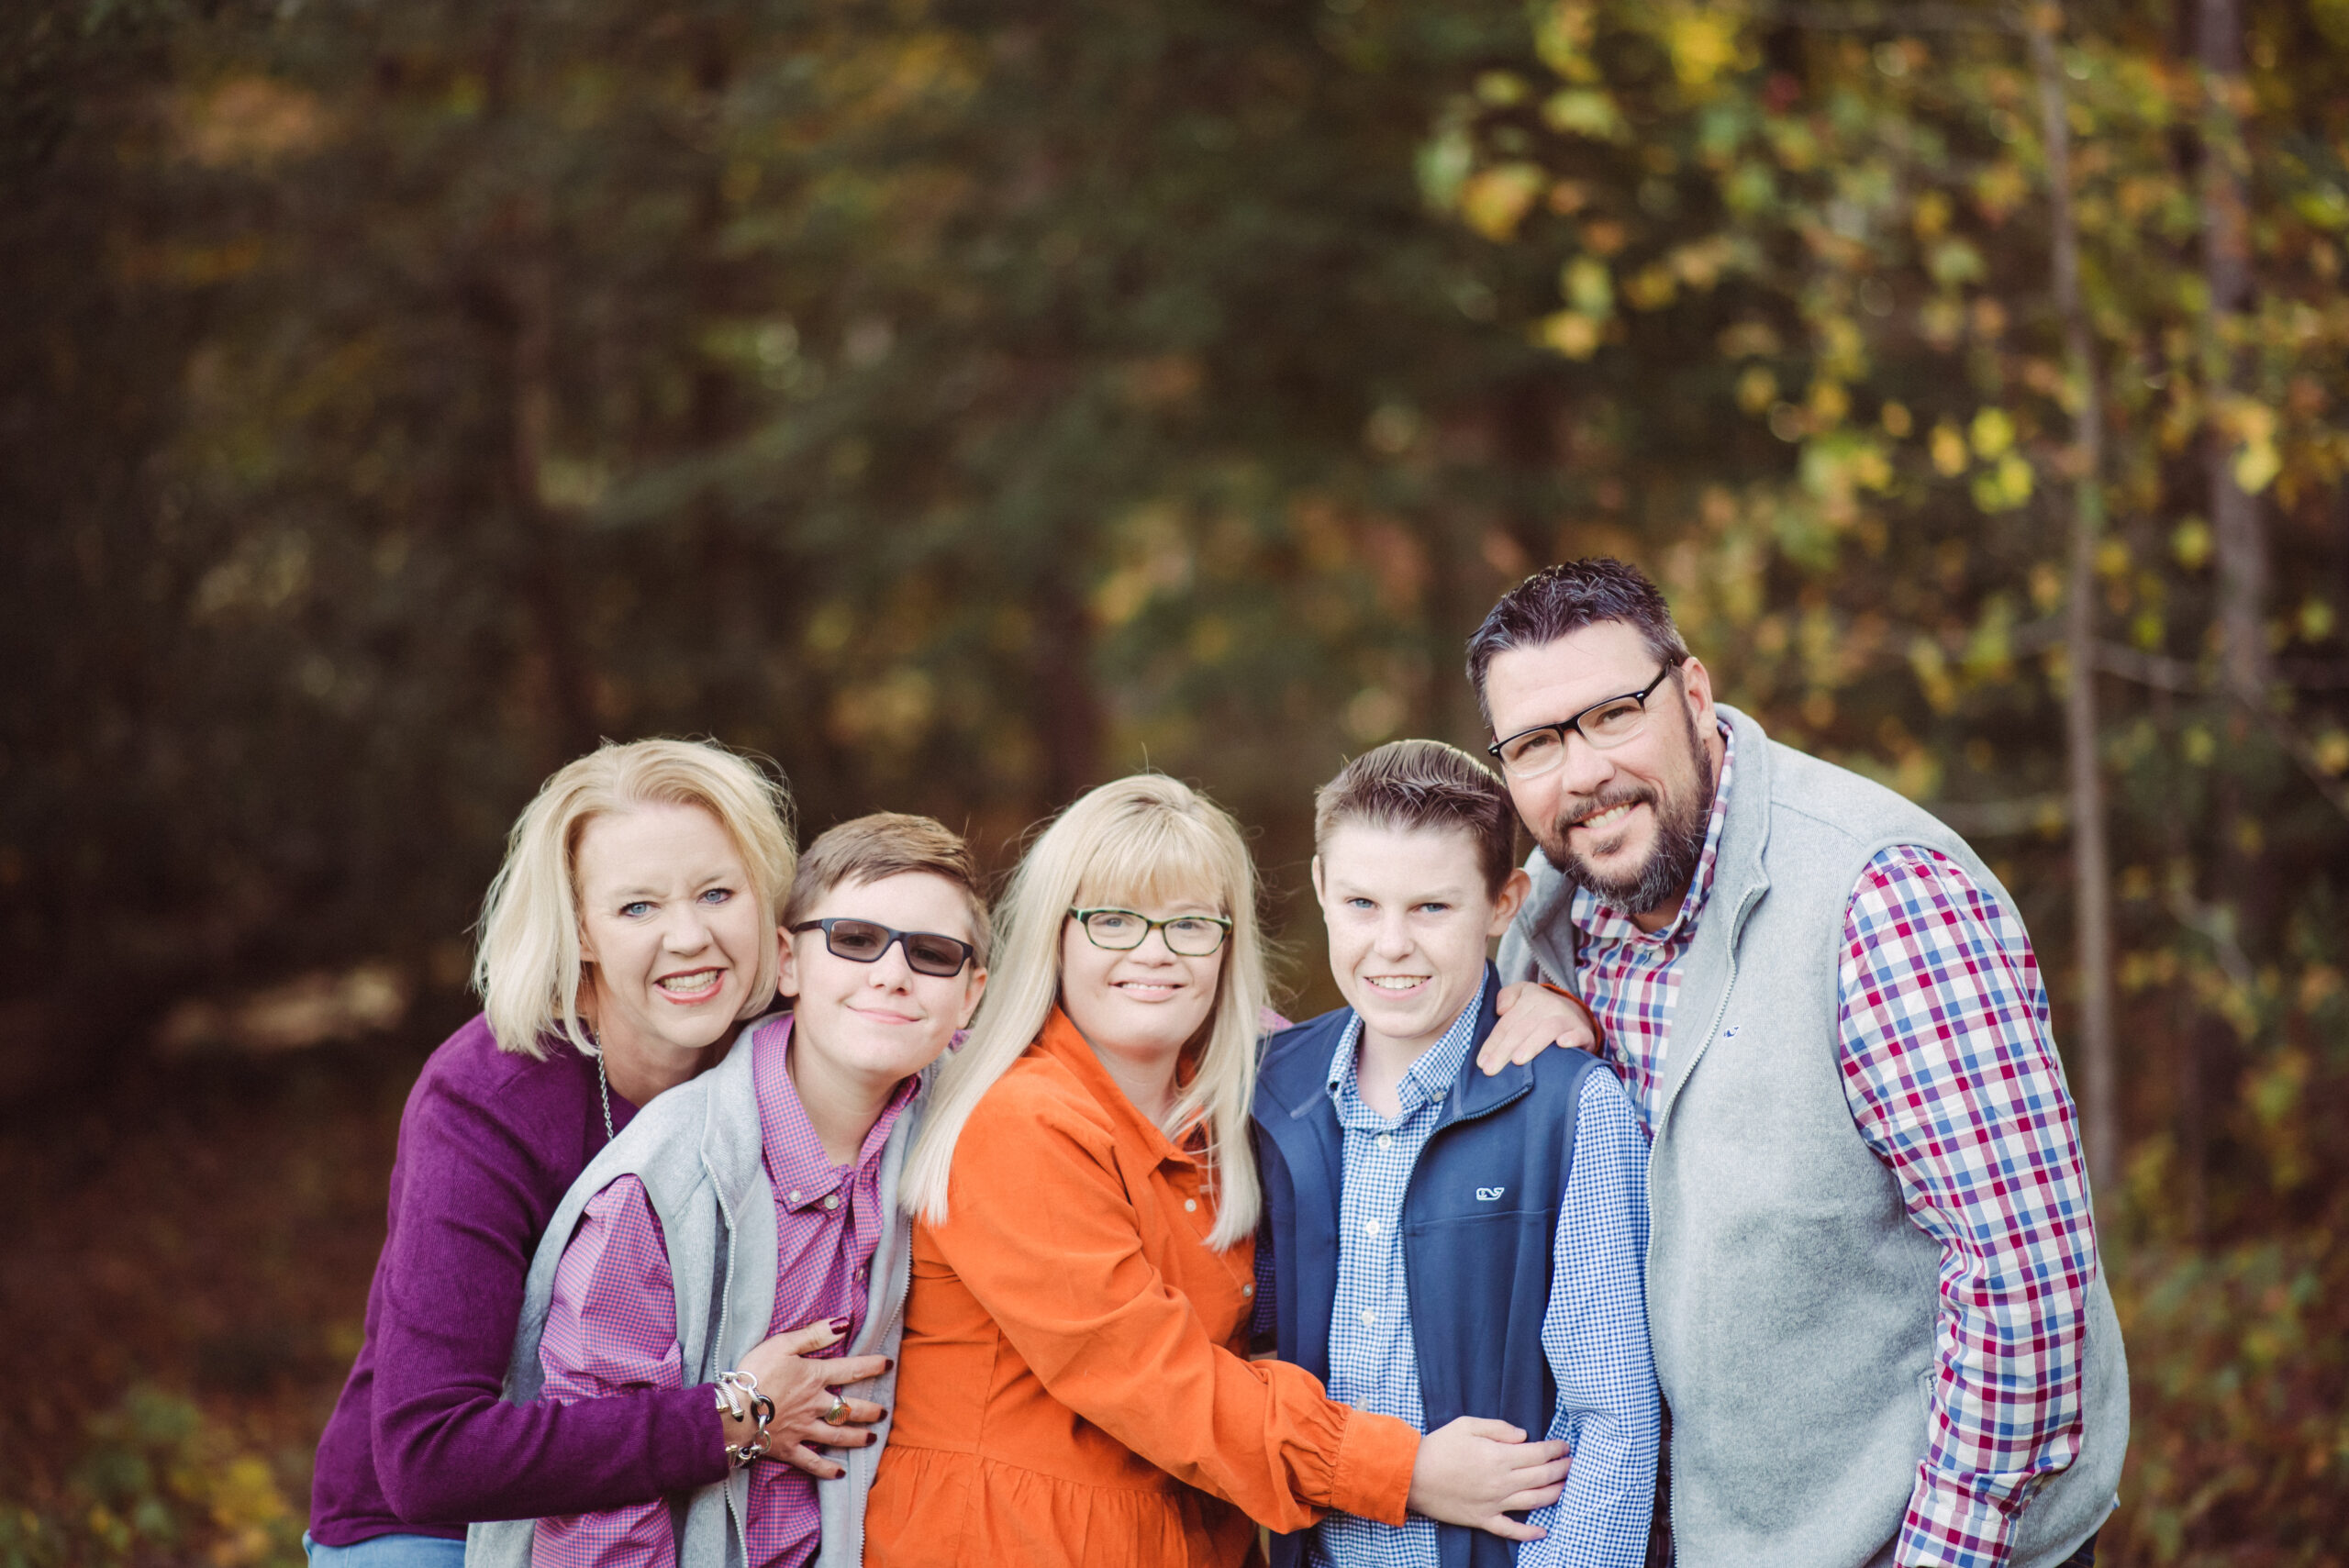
(887, 843)
(1424, 784)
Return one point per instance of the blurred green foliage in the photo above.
(964, 401)
(157, 1484)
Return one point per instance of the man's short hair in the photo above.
(885, 844)
(1424, 784)
(1563, 599)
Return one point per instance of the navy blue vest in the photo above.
(1477, 1269)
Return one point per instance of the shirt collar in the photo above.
(803, 1174)
(1603, 922)
(1427, 1080)
(1061, 1039)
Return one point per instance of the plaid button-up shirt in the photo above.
(1951, 1074)
(1594, 1333)
(612, 1324)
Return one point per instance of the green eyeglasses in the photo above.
(1122, 931)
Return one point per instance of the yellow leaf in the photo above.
(2333, 752)
(1584, 111)
(1495, 200)
(1993, 433)
(1827, 404)
(1571, 334)
(1500, 89)
(2191, 542)
(1586, 286)
(2256, 464)
(2005, 485)
(1562, 38)
(1702, 44)
(1895, 419)
(1931, 215)
(1948, 451)
(1756, 389)
(1650, 288)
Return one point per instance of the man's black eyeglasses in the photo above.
(1530, 754)
(863, 941)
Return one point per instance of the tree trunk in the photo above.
(1067, 711)
(525, 290)
(546, 577)
(2091, 856)
(2239, 547)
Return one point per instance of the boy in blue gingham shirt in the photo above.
(1440, 1243)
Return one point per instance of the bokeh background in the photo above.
(964, 402)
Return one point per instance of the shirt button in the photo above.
(831, 1200)
(1370, 1228)
(1190, 1206)
(1247, 1290)
(1386, 1140)
(1369, 1315)
(793, 1198)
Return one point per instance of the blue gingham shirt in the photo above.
(1595, 1333)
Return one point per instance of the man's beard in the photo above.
(1671, 865)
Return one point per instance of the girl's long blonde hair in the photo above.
(1145, 840)
(526, 965)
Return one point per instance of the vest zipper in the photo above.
(1720, 1011)
(725, 1325)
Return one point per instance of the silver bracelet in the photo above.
(739, 1393)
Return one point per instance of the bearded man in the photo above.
(1880, 1324)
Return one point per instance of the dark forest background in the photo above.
(964, 402)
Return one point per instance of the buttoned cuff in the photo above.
(1373, 1479)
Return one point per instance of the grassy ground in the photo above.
(183, 1274)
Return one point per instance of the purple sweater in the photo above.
(419, 1443)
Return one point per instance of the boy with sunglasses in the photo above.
(760, 1196)
(1440, 1243)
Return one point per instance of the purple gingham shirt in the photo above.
(1951, 1074)
(612, 1324)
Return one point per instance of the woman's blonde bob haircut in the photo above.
(527, 966)
(1143, 841)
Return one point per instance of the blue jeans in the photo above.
(388, 1552)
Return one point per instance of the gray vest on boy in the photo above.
(700, 1152)
(1792, 1301)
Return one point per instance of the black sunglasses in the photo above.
(863, 941)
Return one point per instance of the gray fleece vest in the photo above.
(700, 1152)
(1792, 1301)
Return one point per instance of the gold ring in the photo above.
(840, 1408)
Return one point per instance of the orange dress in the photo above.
(1075, 1388)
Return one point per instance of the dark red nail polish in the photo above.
(839, 1325)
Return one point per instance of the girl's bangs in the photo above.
(1164, 860)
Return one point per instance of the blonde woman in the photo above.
(1074, 1386)
(633, 924)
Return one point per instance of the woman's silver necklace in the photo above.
(603, 1080)
(604, 1085)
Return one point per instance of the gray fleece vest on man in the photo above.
(1792, 1300)
(699, 1151)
